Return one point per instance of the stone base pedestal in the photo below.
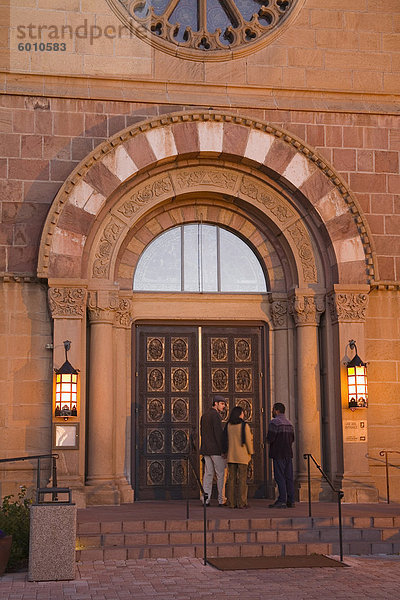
(126, 493)
(302, 491)
(97, 495)
(52, 542)
(359, 491)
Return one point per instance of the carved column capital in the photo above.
(348, 306)
(67, 302)
(306, 309)
(123, 314)
(102, 305)
(279, 313)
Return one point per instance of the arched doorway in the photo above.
(179, 367)
(259, 183)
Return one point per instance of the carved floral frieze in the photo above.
(279, 312)
(274, 204)
(102, 306)
(123, 313)
(144, 195)
(110, 234)
(306, 310)
(207, 177)
(302, 241)
(67, 302)
(348, 306)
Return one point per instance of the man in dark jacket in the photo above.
(280, 438)
(211, 431)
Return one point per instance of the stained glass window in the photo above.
(209, 27)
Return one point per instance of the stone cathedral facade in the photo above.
(202, 197)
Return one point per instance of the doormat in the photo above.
(273, 562)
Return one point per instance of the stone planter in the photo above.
(5, 549)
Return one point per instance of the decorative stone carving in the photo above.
(274, 204)
(46, 251)
(145, 195)
(279, 312)
(67, 302)
(300, 237)
(195, 31)
(306, 310)
(348, 306)
(101, 263)
(208, 177)
(102, 306)
(123, 313)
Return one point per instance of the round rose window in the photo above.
(206, 29)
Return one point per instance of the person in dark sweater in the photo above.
(211, 431)
(280, 438)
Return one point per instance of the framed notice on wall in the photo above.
(355, 431)
(66, 436)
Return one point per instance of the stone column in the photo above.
(282, 368)
(68, 310)
(122, 358)
(279, 320)
(306, 310)
(348, 306)
(101, 488)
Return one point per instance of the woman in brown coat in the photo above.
(240, 449)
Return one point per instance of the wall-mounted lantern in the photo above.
(357, 380)
(66, 389)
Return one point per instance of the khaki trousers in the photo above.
(236, 486)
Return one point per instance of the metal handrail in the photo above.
(204, 495)
(339, 493)
(385, 454)
(38, 457)
(205, 498)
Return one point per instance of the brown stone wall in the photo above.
(332, 45)
(25, 380)
(44, 139)
(383, 356)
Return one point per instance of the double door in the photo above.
(178, 371)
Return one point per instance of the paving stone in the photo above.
(189, 579)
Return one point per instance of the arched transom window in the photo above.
(199, 258)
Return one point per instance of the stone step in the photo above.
(120, 540)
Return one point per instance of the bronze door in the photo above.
(167, 411)
(232, 368)
(175, 366)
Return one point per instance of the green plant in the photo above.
(14, 520)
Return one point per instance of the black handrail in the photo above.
(205, 498)
(38, 457)
(385, 454)
(339, 493)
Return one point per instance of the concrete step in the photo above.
(124, 539)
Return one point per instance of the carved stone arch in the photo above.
(237, 199)
(119, 163)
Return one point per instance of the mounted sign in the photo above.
(355, 431)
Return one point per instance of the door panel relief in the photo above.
(167, 392)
